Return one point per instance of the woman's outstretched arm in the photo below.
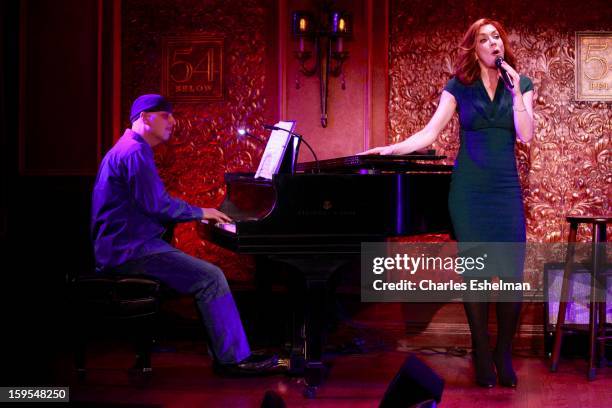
(425, 136)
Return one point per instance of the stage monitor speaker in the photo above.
(577, 316)
(414, 385)
(272, 399)
(578, 295)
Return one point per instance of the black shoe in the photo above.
(505, 373)
(483, 366)
(254, 365)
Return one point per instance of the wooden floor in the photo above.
(183, 378)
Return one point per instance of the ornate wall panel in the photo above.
(204, 144)
(566, 168)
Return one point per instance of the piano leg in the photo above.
(298, 330)
(316, 270)
(314, 322)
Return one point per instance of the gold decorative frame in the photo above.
(593, 73)
(192, 68)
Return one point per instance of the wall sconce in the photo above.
(327, 34)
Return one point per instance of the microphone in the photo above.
(301, 138)
(504, 73)
(243, 132)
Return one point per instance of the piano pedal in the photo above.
(297, 365)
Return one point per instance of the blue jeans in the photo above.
(206, 282)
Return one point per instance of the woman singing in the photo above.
(485, 200)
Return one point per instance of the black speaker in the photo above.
(578, 295)
(272, 399)
(575, 339)
(415, 383)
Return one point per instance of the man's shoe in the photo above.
(254, 365)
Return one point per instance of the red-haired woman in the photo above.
(485, 200)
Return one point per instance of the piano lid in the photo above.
(376, 162)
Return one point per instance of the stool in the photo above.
(597, 311)
(103, 299)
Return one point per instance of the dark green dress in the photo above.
(485, 200)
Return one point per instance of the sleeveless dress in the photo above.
(485, 199)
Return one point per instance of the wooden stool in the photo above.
(105, 301)
(597, 311)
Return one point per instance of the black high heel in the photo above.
(506, 375)
(507, 321)
(478, 315)
(484, 369)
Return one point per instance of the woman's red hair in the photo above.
(467, 69)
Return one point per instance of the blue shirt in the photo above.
(131, 206)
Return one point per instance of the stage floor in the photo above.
(182, 377)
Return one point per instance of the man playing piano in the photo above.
(129, 210)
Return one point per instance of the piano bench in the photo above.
(115, 304)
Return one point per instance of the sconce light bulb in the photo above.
(302, 24)
(341, 25)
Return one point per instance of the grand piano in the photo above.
(315, 218)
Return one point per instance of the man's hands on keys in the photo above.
(216, 216)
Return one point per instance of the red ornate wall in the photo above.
(566, 168)
(204, 144)
(259, 89)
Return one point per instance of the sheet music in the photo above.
(275, 150)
